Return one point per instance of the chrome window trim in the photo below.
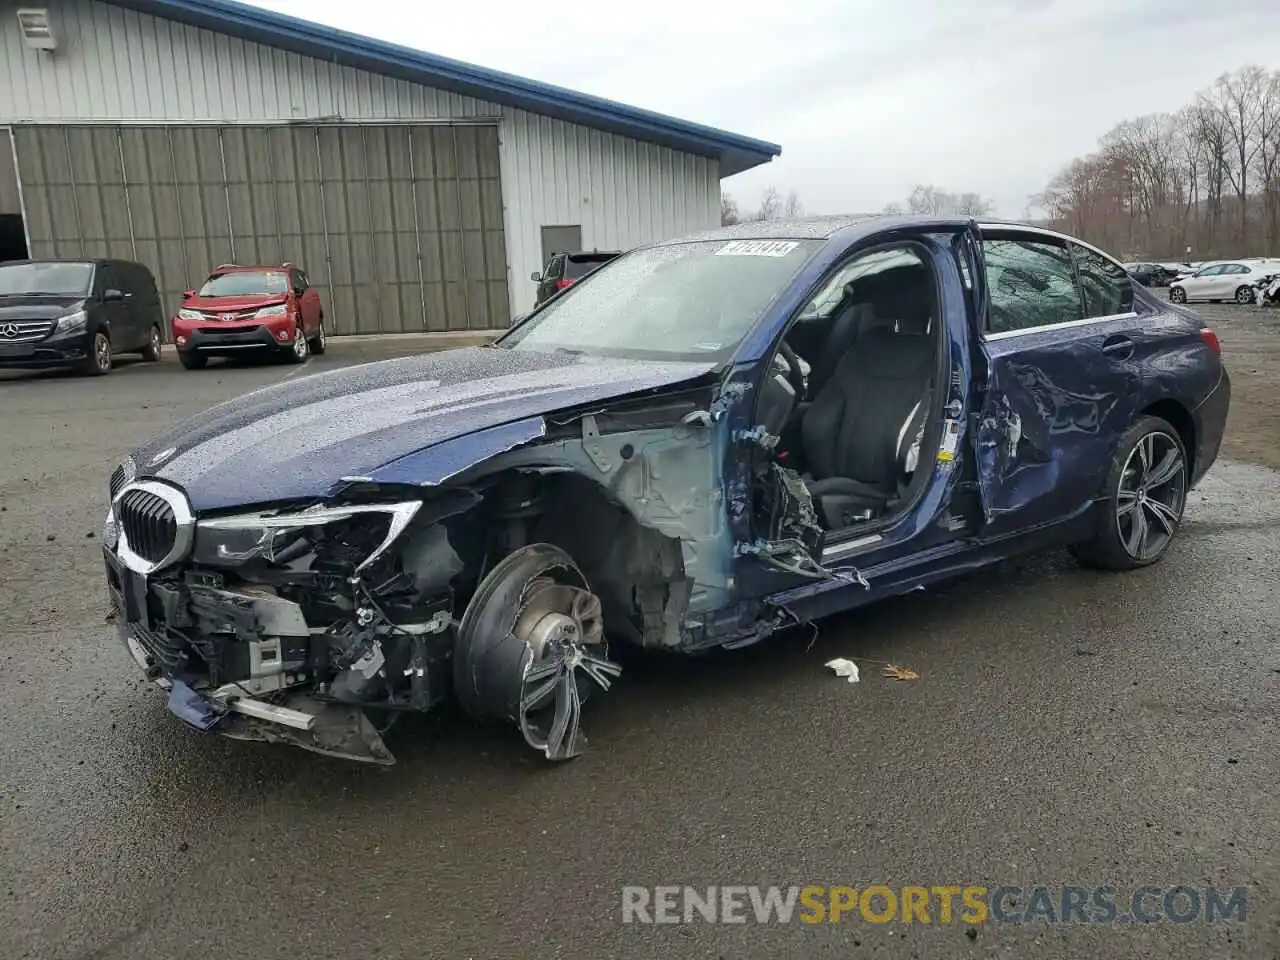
(1065, 325)
(184, 520)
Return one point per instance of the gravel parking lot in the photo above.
(1068, 728)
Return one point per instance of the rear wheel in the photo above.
(1244, 294)
(1145, 495)
(151, 352)
(1177, 295)
(98, 363)
(192, 361)
(318, 343)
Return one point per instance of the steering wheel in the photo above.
(795, 375)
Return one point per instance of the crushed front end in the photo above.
(291, 625)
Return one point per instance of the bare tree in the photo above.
(770, 205)
(728, 209)
(1238, 97)
(930, 199)
(792, 207)
(1160, 183)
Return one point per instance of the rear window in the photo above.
(245, 283)
(578, 267)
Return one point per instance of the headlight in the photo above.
(72, 322)
(233, 540)
(110, 532)
(266, 313)
(190, 315)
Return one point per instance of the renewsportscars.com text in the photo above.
(970, 904)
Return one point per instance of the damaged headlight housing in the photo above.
(228, 541)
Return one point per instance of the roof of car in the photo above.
(250, 268)
(84, 260)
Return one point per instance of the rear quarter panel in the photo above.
(1178, 366)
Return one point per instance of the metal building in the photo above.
(417, 191)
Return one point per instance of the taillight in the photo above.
(563, 283)
(1211, 340)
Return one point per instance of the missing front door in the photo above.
(560, 239)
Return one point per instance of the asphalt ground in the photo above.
(1068, 728)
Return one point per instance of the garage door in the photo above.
(399, 225)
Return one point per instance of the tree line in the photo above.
(1206, 177)
(924, 198)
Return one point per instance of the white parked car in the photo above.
(1225, 280)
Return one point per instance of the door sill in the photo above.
(846, 548)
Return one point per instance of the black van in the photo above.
(77, 313)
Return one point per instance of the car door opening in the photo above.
(852, 398)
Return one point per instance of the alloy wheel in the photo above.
(102, 352)
(562, 626)
(1151, 495)
(155, 343)
(1178, 295)
(323, 340)
(299, 344)
(1244, 295)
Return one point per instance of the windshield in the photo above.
(245, 284)
(682, 301)
(60, 279)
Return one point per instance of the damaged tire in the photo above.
(531, 647)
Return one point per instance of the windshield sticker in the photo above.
(757, 248)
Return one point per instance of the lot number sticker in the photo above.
(757, 248)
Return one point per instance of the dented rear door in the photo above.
(1060, 384)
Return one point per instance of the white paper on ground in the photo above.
(844, 668)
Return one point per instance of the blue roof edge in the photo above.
(735, 152)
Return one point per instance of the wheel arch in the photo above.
(1179, 417)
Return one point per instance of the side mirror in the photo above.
(112, 296)
(536, 276)
(188, 294)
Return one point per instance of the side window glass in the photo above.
(105, 280)
(555, 269)
(1031, 283)
(1106, 287)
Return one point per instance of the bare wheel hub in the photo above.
(530, 648)
(562, 627)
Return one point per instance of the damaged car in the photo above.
(717, 438)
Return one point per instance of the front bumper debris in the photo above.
(301, 721)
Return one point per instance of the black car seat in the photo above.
(847, 324)
(858, 431)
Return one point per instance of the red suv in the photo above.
(250, 310)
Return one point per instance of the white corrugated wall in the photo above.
(115, 64)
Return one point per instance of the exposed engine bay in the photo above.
(320, 625)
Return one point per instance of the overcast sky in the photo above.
(866, 97)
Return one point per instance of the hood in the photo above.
(43, 306)
(299, 438)
(234, 304)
